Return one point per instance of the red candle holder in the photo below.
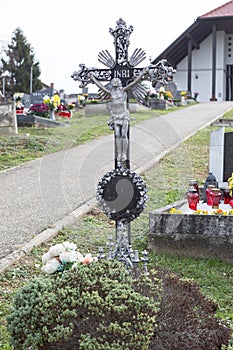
(216, 198)
(209, 199)
(226, 196)
(193, 198)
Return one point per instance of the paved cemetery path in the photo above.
(49, 192)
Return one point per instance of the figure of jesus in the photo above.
(119, 114)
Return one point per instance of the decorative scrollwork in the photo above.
(83, 75)
(121, 40)
(161, 72)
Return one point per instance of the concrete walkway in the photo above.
(46, 194)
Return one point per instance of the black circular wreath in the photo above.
(122, 195)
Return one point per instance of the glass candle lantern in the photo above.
(209, 199)
(193, 198)
(226, 196)
(194, 183)
(216, 198)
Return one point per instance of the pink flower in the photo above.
(88, 259)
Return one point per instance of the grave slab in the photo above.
(191, 235)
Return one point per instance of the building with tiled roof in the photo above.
(203, 56)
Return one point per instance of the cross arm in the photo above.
(160, 71)
(142, 76)
(98, 83)
(83, 75)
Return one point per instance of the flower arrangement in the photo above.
(183, 93)
(175, 211)
(204, 212)
(40, 109)
(168, 95)
(52, 102)
(61, 108)
(70, 106)
(18, 96)
(161, 92)
(18, 103)
(214, 212)
(64, 111)
(64, 256)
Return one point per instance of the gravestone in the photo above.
(221, 155)
(216, 154)
(36, 97)
(8, 123)
(228, 156)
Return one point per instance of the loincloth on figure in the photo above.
(118, 119)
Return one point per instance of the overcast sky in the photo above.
(64, 34)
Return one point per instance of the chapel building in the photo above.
(203, 56)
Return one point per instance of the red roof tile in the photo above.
(221, 11)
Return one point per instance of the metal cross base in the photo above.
(123, 252)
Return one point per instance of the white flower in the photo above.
(51, 266)
(46, 257)
(68, 256)
(79, 257)
(60, 254)
(46, 97)
(69, 245)
(56, 250)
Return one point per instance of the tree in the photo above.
(20, 65)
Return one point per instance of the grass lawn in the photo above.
(32, 143)
(166, 182)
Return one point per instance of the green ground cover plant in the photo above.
(166, 183)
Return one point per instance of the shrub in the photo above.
(96, 306)
(101, 307)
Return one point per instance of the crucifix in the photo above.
(121, 192)
(122, 76)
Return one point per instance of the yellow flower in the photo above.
(168, 94)
(175, 211)
(56, 101)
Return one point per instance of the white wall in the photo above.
(202, 69)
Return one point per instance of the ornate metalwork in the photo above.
(122, 195)
(83, 75)
(123, 252)
(106, 58)
(121, 40)
(123, 68)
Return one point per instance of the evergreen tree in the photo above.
(19, 65)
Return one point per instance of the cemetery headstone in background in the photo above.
(8, 123)
(221, 155)
(36, 97)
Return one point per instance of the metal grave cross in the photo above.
(121, 192)
(130, 77)
(121, 67)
